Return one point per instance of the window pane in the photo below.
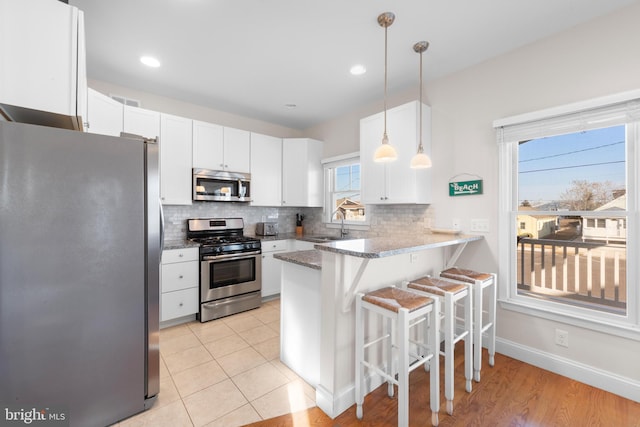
(578, 255)
(346, 194)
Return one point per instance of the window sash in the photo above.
(624, 109)
(330, 166)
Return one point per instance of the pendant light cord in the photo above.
(420, 148)
(385, 138)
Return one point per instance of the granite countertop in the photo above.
(379, 247)
(179, 244)
(279, 236)
(286, 236)
(311, 258)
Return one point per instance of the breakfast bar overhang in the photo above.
(360, 265)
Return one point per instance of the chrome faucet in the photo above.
(343, 232)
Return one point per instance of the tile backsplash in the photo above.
(384, 220)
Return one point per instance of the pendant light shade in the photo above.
(420, 160)
(385, 152)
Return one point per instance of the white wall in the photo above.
(588, 61)
(192, 111)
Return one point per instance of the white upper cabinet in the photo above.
(42, 57)
(140, 121)
(208, 145)
(395, 182)
(104, 114)
(175, 160)
(266, 170)
(221, 148)
(302, 175)
(237, 150)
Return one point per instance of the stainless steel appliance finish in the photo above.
(221, 186)
(267, 228)
(230, 267)
(79, 273)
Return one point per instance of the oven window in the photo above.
(231, 272)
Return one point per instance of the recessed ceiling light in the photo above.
(358, 70)
(150, 61)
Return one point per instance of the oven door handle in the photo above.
(240, 255)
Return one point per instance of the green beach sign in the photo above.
(465, 188)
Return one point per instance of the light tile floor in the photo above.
(226, 372)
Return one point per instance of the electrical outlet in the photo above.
(480, 225)
(562, 338)
(413, 258)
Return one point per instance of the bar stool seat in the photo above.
(402, 310)
(451, 293)
(483, 321)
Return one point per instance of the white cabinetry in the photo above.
(140, 121)
(303, 245)
(175, 160)
(302, 182)
(220, 148)
(179, 283)
(237, 150)
(271, 267)
(42, 57)
(395, 182)
(266, 170)
(104, 114)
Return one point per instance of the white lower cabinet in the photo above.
(303, 245)
(179, 283)
(271, 274)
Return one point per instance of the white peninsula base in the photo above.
(300, 321)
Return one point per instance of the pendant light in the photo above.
(385, 152)
(420, 160)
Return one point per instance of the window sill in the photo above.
(349, 226)
(620, 329)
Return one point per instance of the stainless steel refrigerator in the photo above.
(80, 241)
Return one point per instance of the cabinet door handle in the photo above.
(180, 277)
(181, 304)
(181, 255)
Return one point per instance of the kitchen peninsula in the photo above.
(317, 294)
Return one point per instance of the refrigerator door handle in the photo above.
(161, 228)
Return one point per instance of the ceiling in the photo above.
(253, 57)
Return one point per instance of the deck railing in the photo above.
(579, 273)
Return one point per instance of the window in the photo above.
(343, 193)
(569, 187)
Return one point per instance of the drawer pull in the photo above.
(180, 277)
(181, 304)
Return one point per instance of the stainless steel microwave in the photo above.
(221, 186)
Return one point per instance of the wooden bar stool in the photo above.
(450, 293)
(483, 321)
(401, 310)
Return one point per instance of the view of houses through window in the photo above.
(571, 219)
(345, 196)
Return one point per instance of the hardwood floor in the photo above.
(512, 393)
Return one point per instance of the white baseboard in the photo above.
(613, 383)
(335, 404)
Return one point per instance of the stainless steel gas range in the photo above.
(230, 267)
